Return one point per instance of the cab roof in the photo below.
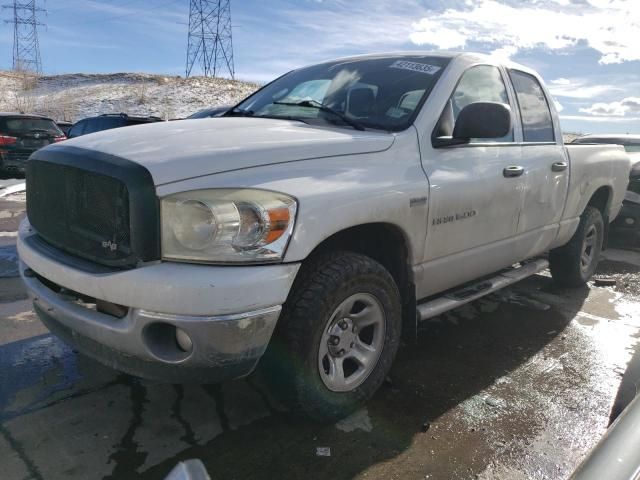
(469, 58)
(23, 115)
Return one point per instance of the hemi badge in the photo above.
(417, 201)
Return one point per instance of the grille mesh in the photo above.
(81, 212)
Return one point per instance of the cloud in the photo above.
(623, 108)
(307, 32)
(612, 27)
(588, 118)
(579, 88)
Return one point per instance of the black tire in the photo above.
(293, 360)
(566, 263)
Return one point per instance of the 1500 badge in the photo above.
(454, 218)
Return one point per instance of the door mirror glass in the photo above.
(483, 120)
(476, 110)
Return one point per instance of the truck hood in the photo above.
(174, 151)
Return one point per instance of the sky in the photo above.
(588, 51)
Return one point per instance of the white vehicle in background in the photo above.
(313, 221)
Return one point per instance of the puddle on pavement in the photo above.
(507, 383)
(586, 321)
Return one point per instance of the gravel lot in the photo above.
(518, 385)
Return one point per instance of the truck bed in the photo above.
(593, 165)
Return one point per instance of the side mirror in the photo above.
(478, 120)
(192, 469)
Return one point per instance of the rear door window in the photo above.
(107, 123)
(18, 126)
(92, 125)
(99, 124)
(537, 123)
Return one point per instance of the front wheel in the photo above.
(573, 264)
(337, 336)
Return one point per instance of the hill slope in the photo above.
(74, 96)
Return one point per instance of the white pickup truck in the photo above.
(312, 223)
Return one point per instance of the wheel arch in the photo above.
(601, 200)
(384, 242)
(389, 245)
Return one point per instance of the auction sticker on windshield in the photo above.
(415, 66)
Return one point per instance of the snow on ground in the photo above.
(74, 96)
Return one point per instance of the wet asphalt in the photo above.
(518, 385)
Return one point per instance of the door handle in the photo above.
(513, 171)
(559, 166)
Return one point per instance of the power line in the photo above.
(210, 42)
(26, 48)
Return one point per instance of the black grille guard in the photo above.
(143, 236)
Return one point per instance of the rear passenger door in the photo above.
(546, 169)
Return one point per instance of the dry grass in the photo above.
(74, 96)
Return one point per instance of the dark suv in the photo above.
(107, 122)
(21, 135)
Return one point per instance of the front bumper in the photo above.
(228, 325)
(14, 160)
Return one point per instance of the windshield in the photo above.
(381, 93)
(22, 125)
(632, 148)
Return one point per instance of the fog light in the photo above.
(629, 221)
(183, 340)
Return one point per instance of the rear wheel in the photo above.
(337, 336)
(574, 263)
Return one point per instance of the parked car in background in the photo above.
(313, 223)
(107, 122)
(64, 126)
(627, 226)
(211, 112)
(21, 135)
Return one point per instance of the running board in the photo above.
(474, 291)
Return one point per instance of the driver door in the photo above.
(474, 204)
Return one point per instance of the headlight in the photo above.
(225, 225)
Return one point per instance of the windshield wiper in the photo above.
(323, 108)
(240, 112)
